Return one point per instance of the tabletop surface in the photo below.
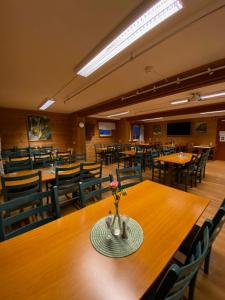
(57, 260)
(203, 146)
(129, 152)
(176, 158)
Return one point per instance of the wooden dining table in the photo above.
(180, 158)
(57, 261)
(176, 158)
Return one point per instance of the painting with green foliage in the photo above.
(38, 128)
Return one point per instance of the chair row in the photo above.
(27, 198)
(40, 161)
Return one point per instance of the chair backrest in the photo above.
(91, 170)
(64, 156)
(43, 159)
(80, 157)
(218, 221)
(178, 278)
(19, 164)
(94, 188)
(67, 177)
(127, 174)
(21, 185)
(37, 212)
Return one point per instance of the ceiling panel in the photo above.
(42, 41)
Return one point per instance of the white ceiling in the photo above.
(42, 41)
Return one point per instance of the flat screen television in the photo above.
(179, 128)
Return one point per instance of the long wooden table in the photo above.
(57, 261)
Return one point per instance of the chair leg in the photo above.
(192, 287)
(207, 260)
(152, 173)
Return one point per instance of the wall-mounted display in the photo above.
(106, 128)
(201, 127)
(179, 128)
(38, 128)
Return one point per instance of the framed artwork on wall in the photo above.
(105, 132)
(201, 127)
(39, 128)
(157, 130)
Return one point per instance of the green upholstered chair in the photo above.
(36, 211)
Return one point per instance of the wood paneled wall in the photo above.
(195, 138)
(13, 129)
(96, 139)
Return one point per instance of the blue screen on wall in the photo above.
(105, 132)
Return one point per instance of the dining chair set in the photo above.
(184, 176)
(179, 277)
(41, 159)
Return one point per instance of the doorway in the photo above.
(220, 140)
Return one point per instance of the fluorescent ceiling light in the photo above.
(213, 95)
(119, 114)
(159, 12)
(152, 119)
(179, 101)
(46, 104)
(212, 112)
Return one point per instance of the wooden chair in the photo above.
(159, 169)
(185, 174)
(21, 185)
(18, 164)
(217, 224)
(132, 173)
(90, 171)
(37, 212)
(94, 188)
(177, 279)
(139, 159)
(67, 180)
(64, 157)
(98, 153)
(42, 160)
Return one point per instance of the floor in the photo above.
(210, 286)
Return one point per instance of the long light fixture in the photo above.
(212, 112)
(119, 114)
(46, 104)
(213, 95)
(179, 101)
(152, 119)
(159, 12)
